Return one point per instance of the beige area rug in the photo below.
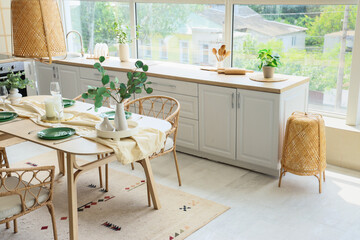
(124, 208)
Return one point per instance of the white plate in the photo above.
(117, 135)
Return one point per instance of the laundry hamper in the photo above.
(304, 149)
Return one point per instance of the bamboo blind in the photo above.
(5, 27)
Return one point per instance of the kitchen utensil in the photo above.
(215, 53)
(234, 71)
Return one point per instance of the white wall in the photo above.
(5, 27)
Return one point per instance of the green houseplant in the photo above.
(121, 31)
(268, 62)
(14, 82)
(136, 82)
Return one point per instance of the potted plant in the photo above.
(121, 31)
(268, 62)
(137, 80)
(14, 82)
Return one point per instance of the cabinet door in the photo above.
(188, 134)
(45, 74)
(258, 128)
(68, 77)
(217, 120)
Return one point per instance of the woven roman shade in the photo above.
(37, 30)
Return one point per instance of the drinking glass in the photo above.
(58, 108)
(55, 88)
(3, 94)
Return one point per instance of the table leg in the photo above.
(151, 183)
(61, 160)
(72, 197)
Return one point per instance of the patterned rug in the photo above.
(121, 213)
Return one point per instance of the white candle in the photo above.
(49, 108)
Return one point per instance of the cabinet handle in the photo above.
(238, 100)
(164, 85)
(99, 75)
(57, 73)
(54, 72)
(232, 100)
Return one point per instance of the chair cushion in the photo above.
(11, 205)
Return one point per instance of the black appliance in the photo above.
(6, 68)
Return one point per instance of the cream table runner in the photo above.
(137, 147)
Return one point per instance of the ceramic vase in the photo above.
(106, 125)
(124, 52)
(15, 96)
(268, 72)
(120, 118)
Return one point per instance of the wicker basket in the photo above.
(304, 149)
(37, 29)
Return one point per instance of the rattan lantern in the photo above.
(37, 30)
(304, 149)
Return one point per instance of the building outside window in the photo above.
(309, 40)
(184, 51)
(163, 49)
(205, 53)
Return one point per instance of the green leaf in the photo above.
(98, 101)
(137, 74)
(127, 95)
(122, 86)
(101, 70)
(112, 86)
(145, 68)
(149, 90)
(142, 75)
(138, 90)
(101, 90)
(97, 65)
(139, 64)
(116, 80)
(106, 94)
(85, 96)
(130, 75)
(105, 80)
(92, 91)
(102, 59)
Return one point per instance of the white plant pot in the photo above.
(124, 52)
(268, 71)
(120, 118)
(15, 96)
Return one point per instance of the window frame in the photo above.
(353, 109)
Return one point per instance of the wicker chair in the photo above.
(163, 107)
(19, 197)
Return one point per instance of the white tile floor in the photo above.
(259, 209)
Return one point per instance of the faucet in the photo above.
(81, 41)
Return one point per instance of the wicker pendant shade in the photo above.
(37, 30)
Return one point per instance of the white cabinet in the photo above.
(258, 128)
(45, 73)
(188, 134)
(217, 120)
(68, 77)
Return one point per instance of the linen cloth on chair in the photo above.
(143, 144)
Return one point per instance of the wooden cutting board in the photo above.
(260, 78)
(227, 71)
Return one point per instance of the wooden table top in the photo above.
(79, 146)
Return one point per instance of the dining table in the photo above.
(76, 146)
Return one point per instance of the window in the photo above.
(94, 22)
(163, 49)
(184, 26)
(205, 53)
(312, 40)
(184, 51)
(5, 32)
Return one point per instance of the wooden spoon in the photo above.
(227, 54)
(215, 53)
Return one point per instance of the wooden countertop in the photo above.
(191, 73)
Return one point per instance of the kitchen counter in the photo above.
(191, 73)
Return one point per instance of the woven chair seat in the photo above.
(11, 205)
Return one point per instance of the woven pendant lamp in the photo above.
(37, 30)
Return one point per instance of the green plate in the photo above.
(56, 133)
(111, 115)
(68, 102)
(7, 116)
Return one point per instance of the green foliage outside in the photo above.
(321, 67)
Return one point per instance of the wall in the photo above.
(5, 27)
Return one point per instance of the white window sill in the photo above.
(340, 123)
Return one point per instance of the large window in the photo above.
(313, 40)
(94, 20)
(186, 28)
